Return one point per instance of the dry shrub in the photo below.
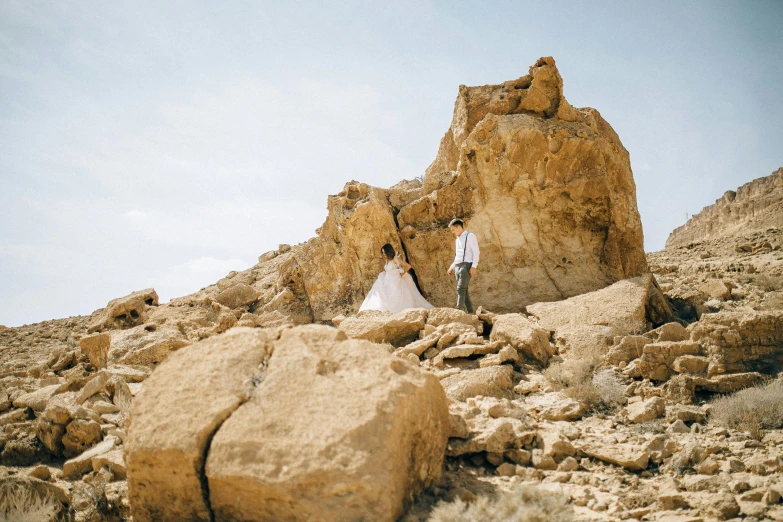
(752, 410)
(580, 378)
(521, 504)
(639, 499)
(769, 283)
(21, 504)
(772, 301)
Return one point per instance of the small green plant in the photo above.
(752, 410)
(522, 504)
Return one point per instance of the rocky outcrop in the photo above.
(125, 312)
(546, 188)
(725, 352)
(349, 431)
(755, 206)
(738, 342)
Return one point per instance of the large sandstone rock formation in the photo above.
(304, 426)
(755, 206)
(547, 189)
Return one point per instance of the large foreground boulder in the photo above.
(307, 426)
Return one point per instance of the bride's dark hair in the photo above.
(388, 251)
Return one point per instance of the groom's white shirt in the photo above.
(467, 249)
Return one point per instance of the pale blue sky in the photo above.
(162, 144)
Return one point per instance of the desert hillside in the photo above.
(594, 382)
(754, 207)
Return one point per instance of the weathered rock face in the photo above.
(757, 205)
(726, 352)
(742, 341)
(546, 188)
(339, 266)
(125, 312)
(349, 431)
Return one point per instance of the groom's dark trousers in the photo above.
(462, 271)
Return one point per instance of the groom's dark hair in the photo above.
(388, 251)
(456, 223)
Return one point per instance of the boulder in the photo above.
(238, 295)
(463, 350)
(50, 435)
(624, 455)
(80, 434)
(444, 316)
(743, 341)
(668, 332)
(505, 355)
(685, 413)
(78, 466)
(175, 415)
(385, 327)
(564, 409)
(629, 348)
(554, 406)
(524, 335)
(37, 399)
(492, 435)
(114, 460)
(61, 408)
(492, 381)
(145, 345)
(645, 411)
(595, 318)
(716, 289)
(657, 360)
(417, 348)
(125, 312)
(690, 364)
(729, 383)
(554, 444)
(96, 348)
(450, 333)
(350, 431)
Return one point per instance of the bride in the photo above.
(394, 290)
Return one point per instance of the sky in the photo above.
(164, 144)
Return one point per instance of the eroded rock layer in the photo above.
(755, 206)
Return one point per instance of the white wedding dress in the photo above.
(392, 293)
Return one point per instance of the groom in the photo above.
(465, 262)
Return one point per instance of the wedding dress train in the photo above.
(392, 293)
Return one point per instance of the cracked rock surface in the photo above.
(304, 426)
